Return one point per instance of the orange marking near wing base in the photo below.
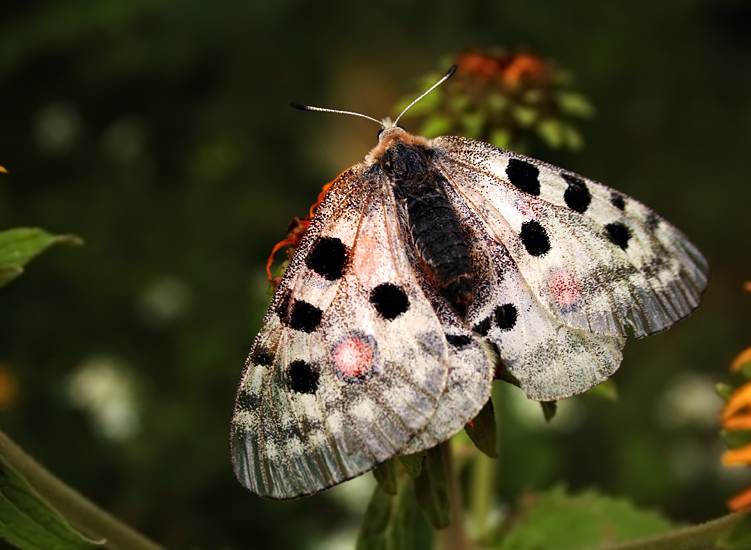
(295, 232)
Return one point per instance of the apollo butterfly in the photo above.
(425, 265)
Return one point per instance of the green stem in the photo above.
(455, 536)
(82, 514)
(483, 474)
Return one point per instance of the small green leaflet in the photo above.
(18, 246)
(28, 522)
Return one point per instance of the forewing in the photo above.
(351, 361)
(572, 237)
(570, 263)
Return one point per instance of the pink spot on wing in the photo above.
(528, 208)
(563, 288)
(353, 357)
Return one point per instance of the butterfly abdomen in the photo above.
(436, 232)
(440, 242)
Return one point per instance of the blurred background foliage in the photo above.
(159, 132)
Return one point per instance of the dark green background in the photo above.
(184, 163)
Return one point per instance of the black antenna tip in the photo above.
(452, 70)
(301, 106)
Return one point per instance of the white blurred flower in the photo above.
(690, 400)
(56, 126)
(105, 388)
(163, 300)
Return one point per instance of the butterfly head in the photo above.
(399, 153)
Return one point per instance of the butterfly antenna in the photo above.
(451, 71)
(304, 107)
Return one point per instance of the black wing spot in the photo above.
(535, 238)
(505, 316)
(389, 300)
(483, 327)
(328, 257)
(458, 341)
(617, 200)
(304, 316)
(246, 401)
(302, 377)
(653, 221)
(577, 196)
(619, 234)
(282, 310)
(262, 357)
(524, 176)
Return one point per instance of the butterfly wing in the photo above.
(570, 264)
(470, 374)
(352, 360)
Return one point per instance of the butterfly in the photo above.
(426, 267)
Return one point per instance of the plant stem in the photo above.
(455, 536)
(483, 470)
(82, 514)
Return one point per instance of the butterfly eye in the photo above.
(379, 133)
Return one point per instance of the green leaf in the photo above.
(574, 104)
(558, 521)
(19, 246)
(435, 125)
(745, 370)
(524, 116)
(409, 529)
(497, 102)
(482, 430)
(738, 538)
(432, 489)
(552, 132)
(427, 104)
(373, 531)
(413, 463)
(501, 137)
(461, 103)
(725, 390)
(473, 123)
(30, 523)
(385, 475)
(572, 137)
(278, 272)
